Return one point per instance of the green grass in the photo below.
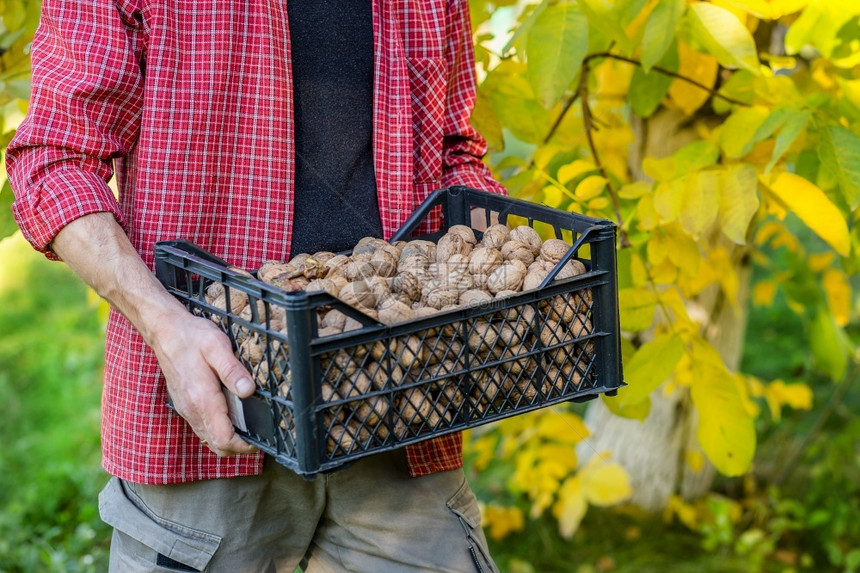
(51, 344)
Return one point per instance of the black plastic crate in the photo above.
(324, 401)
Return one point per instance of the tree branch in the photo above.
(588, 121)
(666, 72)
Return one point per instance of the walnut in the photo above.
(528, 236)
(392, 311)
(517, 250)
(407, 284)
(475, 297)
(495, 236)
(419, 247)
(465, 232)
(484, 260)
(356, 270)
(358, 293)
(507, 277)
(384, 263)
(451, 244)
(534, 279)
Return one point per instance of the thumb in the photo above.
(232, 373)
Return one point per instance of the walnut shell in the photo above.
(271, 268)
(553, 250)
(407, 284)
(384, 263)
(358, 269)
(534, 279)
(506, 277)
(465, 232)
(440, 296)
(484, 260)
(495, 236)
(392, 311)
(358, 293)
(451, 244)
(474, 297)
(517, 250)
(419, 247)
(528, 236)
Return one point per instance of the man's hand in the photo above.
(195, 356)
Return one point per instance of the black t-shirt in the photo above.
(331, 43)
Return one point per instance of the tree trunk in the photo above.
(655, 452)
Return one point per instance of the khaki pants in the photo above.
(370, 517)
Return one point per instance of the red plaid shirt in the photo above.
(191, 102)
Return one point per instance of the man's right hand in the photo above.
(194, 355)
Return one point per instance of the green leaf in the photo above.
(652, 365)
(514, 103)
(7, 221)
(738, 201)
(487, 122)
(523, 28)
(603, 16)
(739, 130)
(691, 157)
(840, 153)
(723, 36)
(638, 411)
(555, 47)
(660, 31)
(829, 346)
(647, 90)
(793, 126)
(636, 306)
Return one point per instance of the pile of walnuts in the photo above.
(408, 280)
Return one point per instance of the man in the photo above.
(256, 130)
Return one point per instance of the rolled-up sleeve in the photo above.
(463, 146)
(84, 112)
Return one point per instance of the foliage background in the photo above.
(781, 158)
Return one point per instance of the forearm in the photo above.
(97, 249)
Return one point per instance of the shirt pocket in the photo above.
(428, 79)
(158, 544)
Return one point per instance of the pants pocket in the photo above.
(465, 506)
(143, 541)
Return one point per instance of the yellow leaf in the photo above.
(571, 171)
(700, 203)
(652, 364)
(779, 394)
(648, 216)
(812, 206)
(502, 521)
(696, 66)
(605, 483)
(668, 197)
(634, 190)
(684, 252)
(685, 512)
(769, 9)
(726, 431)
(763, 293)
(657, 248)
(570, 507)
(590, 187)
(665, 273)
(598, 204)
(738, 201)
(562, 426)
(817, 262)
(838, 291)
(695, 460)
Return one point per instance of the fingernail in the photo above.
(245, 386)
